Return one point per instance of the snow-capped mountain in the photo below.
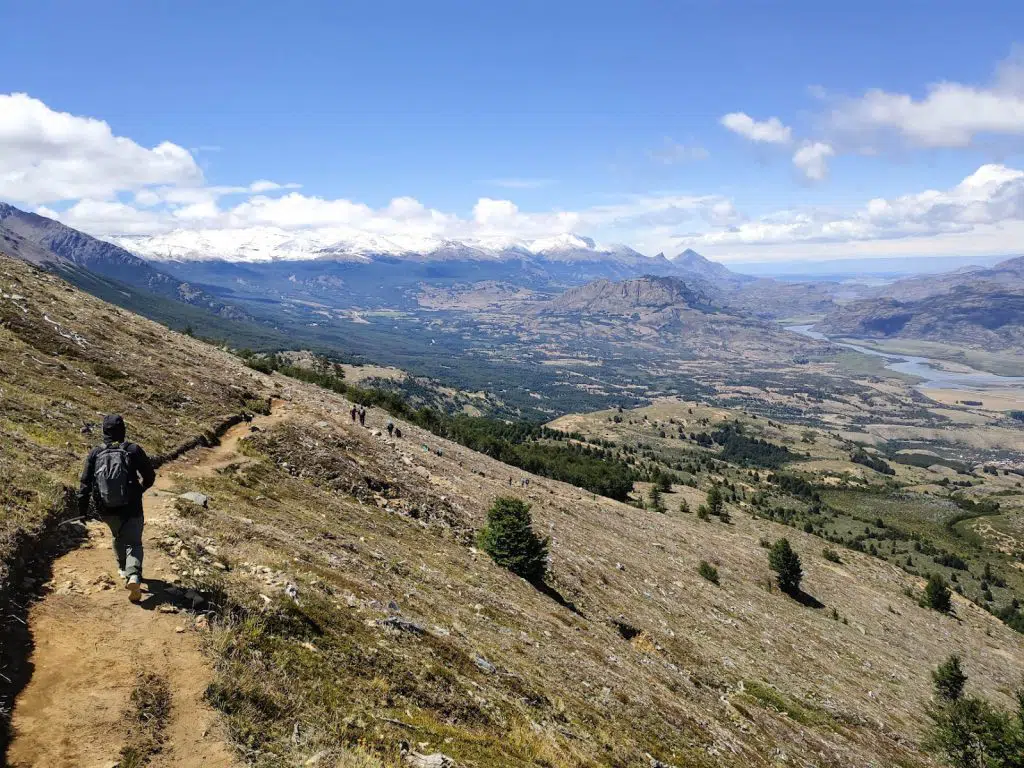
(269, 244)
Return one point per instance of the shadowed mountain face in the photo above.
(58, 248)
(984, 316)
(977, 307)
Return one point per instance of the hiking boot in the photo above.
(134, 587)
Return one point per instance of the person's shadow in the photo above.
(159, 592)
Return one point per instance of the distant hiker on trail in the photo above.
(354, 414)
(115, 476)
(362, 417)
(391, 429)
(398, 434)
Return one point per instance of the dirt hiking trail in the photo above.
(91, 645)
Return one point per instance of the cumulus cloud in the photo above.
(48, 156)
(770, 131)
(75, 169)
(812, 159)
(262, 185)
(992, 195)
(950, 115)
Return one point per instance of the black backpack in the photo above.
(113, 476)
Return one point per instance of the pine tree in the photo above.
(786, 564)
(684, 507)
(936, 594)
(949, 679)
(656, 503)
(510, 541)
(714, 500)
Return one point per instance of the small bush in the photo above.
(708, 571)
(831, 555)
(786, 564)
(107, 372)
(509, 539)
(684, 507)
(702, 513)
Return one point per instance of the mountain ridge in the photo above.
(54, 246)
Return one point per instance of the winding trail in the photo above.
(91, 643)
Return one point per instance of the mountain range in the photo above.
(269, 275)
(80, 258)
(270, 244)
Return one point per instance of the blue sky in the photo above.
(557, 107)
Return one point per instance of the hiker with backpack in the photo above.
(115, 476)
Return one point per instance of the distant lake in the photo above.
(925, 368)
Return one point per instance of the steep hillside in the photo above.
(66, 251)
(988, 317)
(347, 617)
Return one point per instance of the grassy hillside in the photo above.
(349, 613)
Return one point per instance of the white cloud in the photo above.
(47, 156)
(770, 131)
(812, 159)
(949, 115)
(75, 169)
(991, 197)
(673, 153)
(100, 217)
(262, 185)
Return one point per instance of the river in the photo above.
(929, 369)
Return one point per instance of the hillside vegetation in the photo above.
(349, 617)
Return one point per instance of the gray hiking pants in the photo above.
(127, 532)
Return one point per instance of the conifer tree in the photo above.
(511, 542)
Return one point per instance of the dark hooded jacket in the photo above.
(143, 474)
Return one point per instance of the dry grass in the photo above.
(402, 632)
(147, 713)
(358, 522)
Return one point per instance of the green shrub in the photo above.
(786, 564)
(831, 555)
(509, 539)
(107, 372)
(684, 507)
(708, 571)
